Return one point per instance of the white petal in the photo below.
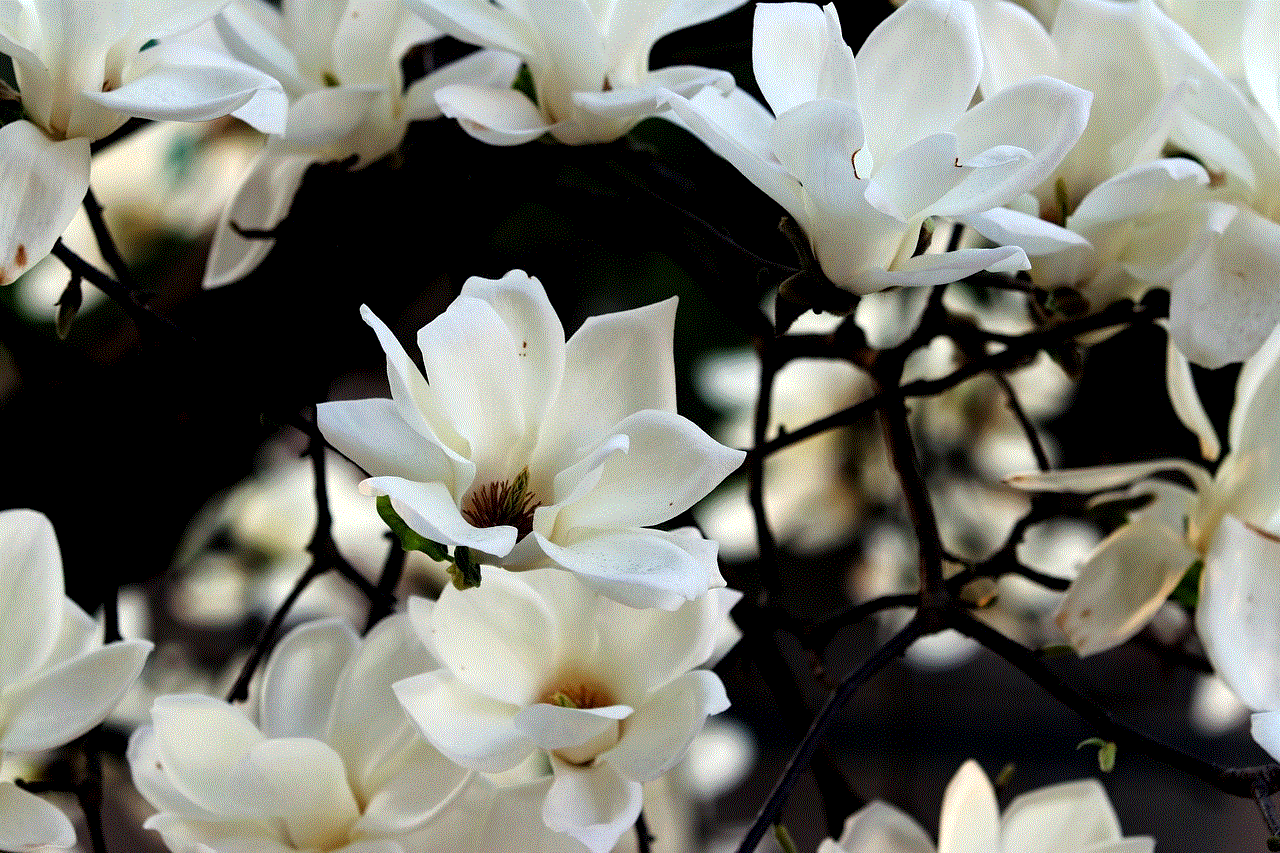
(895, 65)
(970, 822)
(472, 730)
(495, 116)
(492, 69)
(670, 465)
(1015, 46)
(430, 511)
(478, 22)
(424, 783)
(1238, 615)
(300, 678)
(1074, 815)
(373, 434)
(1265, 728)
(28, 822)
(818, 142)
(797, 57)
(639, 568)
(301, 781)
(1186, 402)
(261, 202)
(31, 580)
(1104, 477)
(880, 828)
(63, 703)
(42, 184)
(658, 734)
(1035, 236)
(555, 727)
(201, 741)
(1226, 305)
(1122, 584)
(504, 640)
(593, 804)
(328, 116)
(944, 267)
(913, 180)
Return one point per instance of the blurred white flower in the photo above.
(864, 150)
(537, 661)
(331, 764)
(339, 64)
(1074, 817)
(83, 68)
(57, 680)
(589, 61)
(537, 452)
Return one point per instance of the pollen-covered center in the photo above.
(503, 503)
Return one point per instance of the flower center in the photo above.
(503, 503)
(581, 693)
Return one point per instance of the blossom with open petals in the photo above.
(339, 64)
(57, 680)
(1228, 520)
(537, 661)
(83, 68)
(534, 451)
(865, 149)
(589, 61)
(332, 763)
(1074, 817)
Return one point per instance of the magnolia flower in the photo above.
(536, 661)
(863, 150)
(339, 64)
(57, 680)
(1074, 817)
(1227, 521)
(83, 68)
(332, 764)
(589, 61)
(534, 451)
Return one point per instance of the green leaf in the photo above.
(409, 539)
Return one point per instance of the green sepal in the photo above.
(465, 571)
(783, 838)
(1106, 752)
(1187, 592)
(409, 539)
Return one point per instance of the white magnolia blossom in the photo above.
(534, 451)
(1115, 219)
(589, 60)
(339, 64)
(1074, 817)
(83, 68)
(1227, 520)
(332, 763)
(865, 149)
(537, 661)
(57, 680)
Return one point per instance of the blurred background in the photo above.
(168, 472)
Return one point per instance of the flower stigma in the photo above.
(503, 503)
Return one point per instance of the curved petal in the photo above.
(300, 678)
(1016, 46)
(262, 201)
(430, 511)
(670, 465)
(302, 782)
(494, 116)
(555, 727)
(896, 65)
(66, 701)
(970, 821)
(478, 22)
(187, 84)
(799, 55)
(28, 822)
(491, 69)
(1122, 584)
(880, 828)
(1100, 478)
(638, 568)
(1186, 402)
(946, 267)
(1238, 615)
(42, 184)
(593, 804)
(1074, 815)
(472, 730)
(32, 605)
(328, 116)
(1224, 307)
(658, 734)
(424, 784)
(200, 742)
(1265, 728)
(373, 434)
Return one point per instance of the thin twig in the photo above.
(644, 838)
(106, 243)
(1028, 428)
